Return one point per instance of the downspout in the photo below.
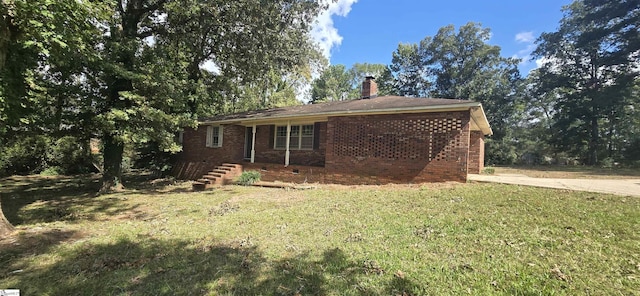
(286, 154)
(253, 144)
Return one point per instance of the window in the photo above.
(214, 136)
(300, 138)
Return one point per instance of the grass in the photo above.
(157, 238)
(571, 172)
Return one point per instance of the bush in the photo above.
(51, 171)
(149, 156)
(607, 163)
(489, 170)
(23, 156)
(249, 177)
(32, 154)
(69, 155)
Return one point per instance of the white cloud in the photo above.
(323, 30)
(525, 37)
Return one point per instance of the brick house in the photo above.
(370, 140)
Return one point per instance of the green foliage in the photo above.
(33, 154)
(249, 177)
(334, 84)
(69, 155)
(150, 157)
(462, 65)
(24, 155)
(131, 72)
(337, 83)
(407, 68)
(591, 67)
(489, 170)
(51, 171)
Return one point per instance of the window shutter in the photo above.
(209, 141)
(220, 133)
(316, 136)
(272, 135)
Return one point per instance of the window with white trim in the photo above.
(300, 138)
(214, 136)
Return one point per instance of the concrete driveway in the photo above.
(627, 187)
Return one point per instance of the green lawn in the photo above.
(444, 239)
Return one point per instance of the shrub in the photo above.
(150, 156)
(69, 155)
(607, 163)
(489, 170)
(23, 155)
(51, 171)
(249, 177)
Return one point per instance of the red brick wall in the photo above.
(476, 152)
(423, 147)
(266, 154)
(196, 159)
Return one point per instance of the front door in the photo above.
(248, 142)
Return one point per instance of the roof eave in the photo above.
(419, 109)
(480, 119)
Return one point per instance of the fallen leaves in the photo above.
(372, 267)
(558, 274)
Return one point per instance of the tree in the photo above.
(462, 65)
(131, 72)
(338, 83)
(36, 35)
(334, 84)
(411, 77)
(145, 40)
(359, 71)
(591, 61)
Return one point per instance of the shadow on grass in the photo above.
(30, 243)
(37, 199)
(175, 267)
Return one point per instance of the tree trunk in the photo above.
(593, 142)
(5, 227)
(112, 171)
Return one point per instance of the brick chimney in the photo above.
(369, 88)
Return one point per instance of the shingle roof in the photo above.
(378, 103)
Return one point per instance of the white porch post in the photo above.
(286, 154)
(253, 144)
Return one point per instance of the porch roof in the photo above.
(374, 106)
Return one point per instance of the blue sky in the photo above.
(353, 31)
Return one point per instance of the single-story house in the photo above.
(365, 140)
